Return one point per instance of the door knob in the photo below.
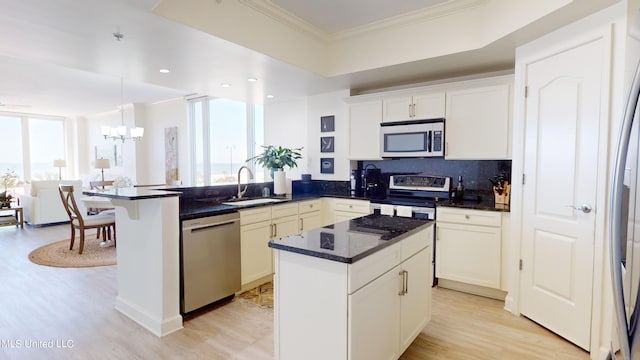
(585, 208)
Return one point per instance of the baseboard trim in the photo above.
(473, 289)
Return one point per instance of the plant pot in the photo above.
(279, 182)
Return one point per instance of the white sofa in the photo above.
(42, 204)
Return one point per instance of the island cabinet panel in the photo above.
(374, 318)
(372, 308)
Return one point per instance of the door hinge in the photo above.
(520, 265)
(522, 179)
(526, 91)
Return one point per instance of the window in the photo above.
(225, 133)
(46, 143)
(34, 143)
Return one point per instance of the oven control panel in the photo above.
(420, 182)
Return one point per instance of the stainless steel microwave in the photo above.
(416, 138)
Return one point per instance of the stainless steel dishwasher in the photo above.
(210, 260)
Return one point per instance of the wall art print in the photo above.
(326, 165)
(327, 123)
(326, 144)
(171, 155)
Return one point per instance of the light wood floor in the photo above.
(73, 309)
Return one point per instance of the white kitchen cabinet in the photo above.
(347, 209)
(415, 305)
(255, 232)
(364, 130)
(468, 246)
(419, 106)
(478, 122)
(284, 220)
(310, 215)
(374, 318)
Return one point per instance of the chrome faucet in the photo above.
(241, 193)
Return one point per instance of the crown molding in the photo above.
(418, 16)
(275, 12)
(284, 17)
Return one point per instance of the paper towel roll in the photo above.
(279, 183)
(404, 211)
(386, 210)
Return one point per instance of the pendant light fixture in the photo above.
(120, 132)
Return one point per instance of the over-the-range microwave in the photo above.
(415, 138)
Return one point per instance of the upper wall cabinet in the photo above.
(364, 130)
(428, 105)
(478, 122)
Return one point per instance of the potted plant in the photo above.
(276, 158)
(9, 179)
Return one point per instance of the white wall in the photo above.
(285, 124)
(323, 105)
(155, 118)
(90, 137)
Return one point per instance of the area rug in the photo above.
(261, 295)
(57, 254)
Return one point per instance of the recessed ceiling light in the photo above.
(252, 79)
(225, 85)
(270, 96)
(164, 71)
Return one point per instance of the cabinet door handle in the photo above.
(410, 112)
(275, 230)
(405, 282)
(272, 233)
(301, 224)
(413, 110)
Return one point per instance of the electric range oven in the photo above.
(421, 193)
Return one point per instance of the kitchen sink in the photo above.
(252, 201)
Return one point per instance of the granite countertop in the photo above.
(205, 207)
(477, 200)
(131, 193)
(352, 240)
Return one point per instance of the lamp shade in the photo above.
(59, 163)
(102, 164)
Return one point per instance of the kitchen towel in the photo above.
(404, 211)
(386, 210)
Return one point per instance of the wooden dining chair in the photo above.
(105, 223)
(102, 185)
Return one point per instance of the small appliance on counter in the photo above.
(368, 182)
(501, 190)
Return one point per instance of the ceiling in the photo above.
(60, 57)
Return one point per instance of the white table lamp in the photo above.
(102, 164)
(59, 164)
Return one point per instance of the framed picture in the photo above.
(326, 144)
(326, 165)
(327, 123)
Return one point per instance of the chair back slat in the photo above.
(100, 184)
(69, 203)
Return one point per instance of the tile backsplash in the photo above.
(474, 172)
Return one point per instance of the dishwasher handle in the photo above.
(210, 225)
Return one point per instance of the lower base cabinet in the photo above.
(383, 321)
(371, 309)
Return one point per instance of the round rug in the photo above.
(58, 254)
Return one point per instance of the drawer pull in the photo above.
(467, 217)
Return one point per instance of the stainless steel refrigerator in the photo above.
(624, 225)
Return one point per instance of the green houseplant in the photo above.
(276, 158)
(9, 179)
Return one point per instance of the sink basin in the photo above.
(252, 201)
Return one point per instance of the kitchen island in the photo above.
(358, 289)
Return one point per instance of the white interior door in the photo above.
(560, 166)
